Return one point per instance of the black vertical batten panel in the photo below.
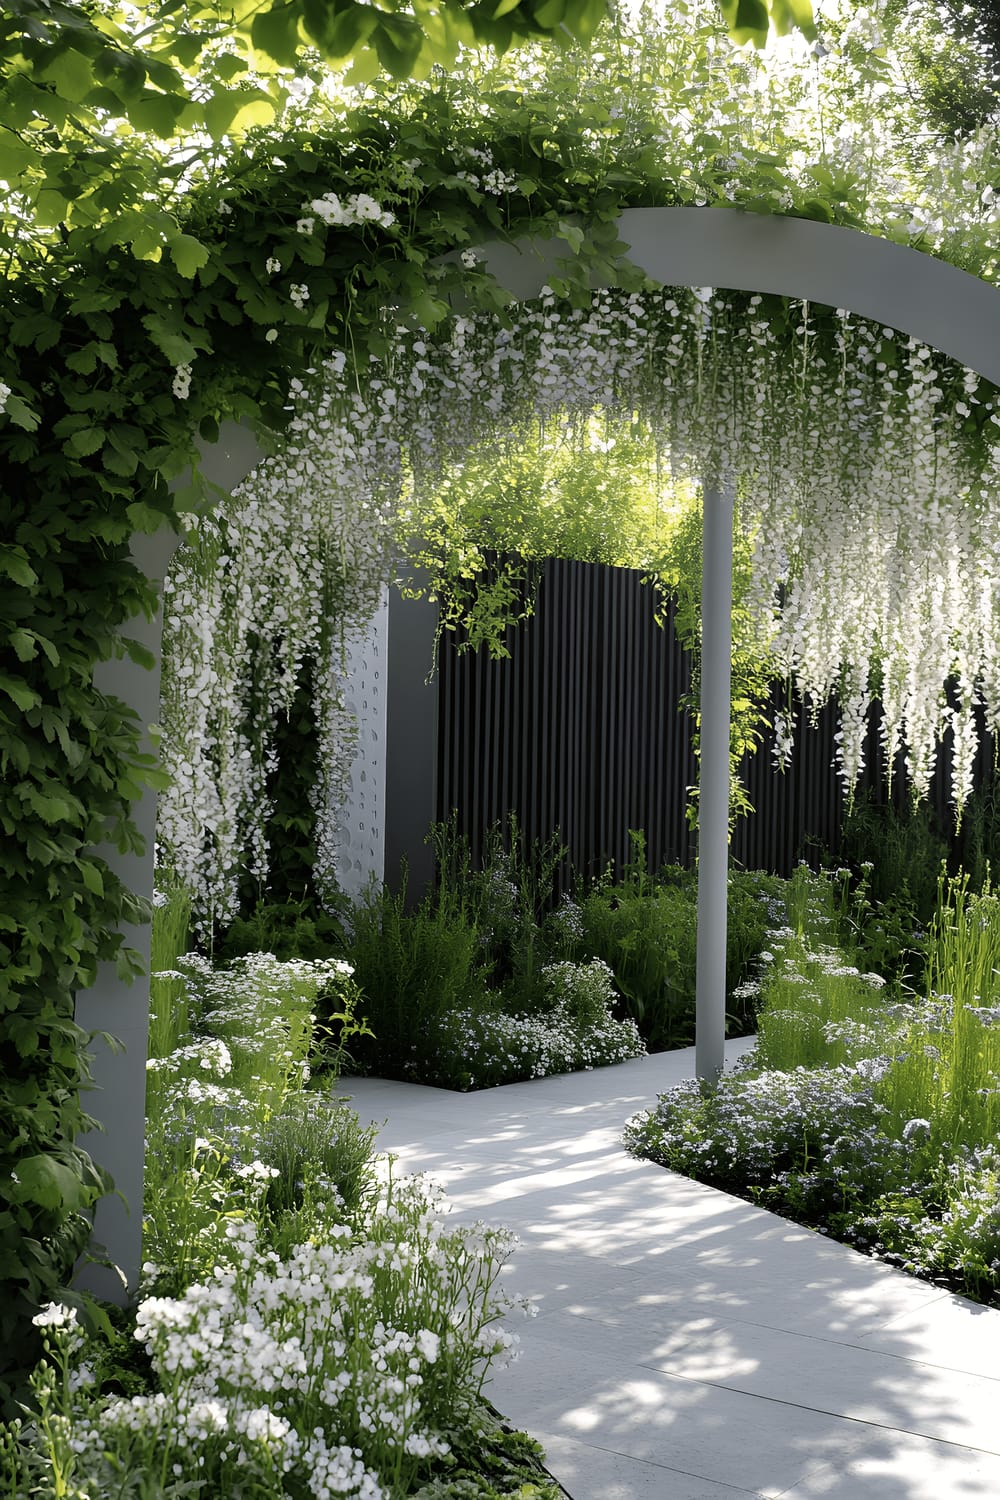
(580, 730)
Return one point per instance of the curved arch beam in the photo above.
(911, 291)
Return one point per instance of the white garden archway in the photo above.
(909, 291)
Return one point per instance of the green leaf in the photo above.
(21, 414)
(235, 112)
(572, 234)
(14, 562)
(24, 644)
(83, 361)
(45, 1180)
(147, 243)
(84, 442)
(120, 461)
(747, 20)
(51, 809)
(188, 254)
(15, 158)
(15, 687)
(144, 517)
(91, 877)
(168, 338)
(550, 13)
(276, 34)
(398, 40)
(137, 652)
(156, 114)
(48, 650)
(71, 73)
(788, 15)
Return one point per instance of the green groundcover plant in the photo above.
(309, 1324)
(874, 1121)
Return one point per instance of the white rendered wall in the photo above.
(360, 834)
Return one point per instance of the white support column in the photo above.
(713, 796)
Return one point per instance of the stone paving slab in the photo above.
(690, 1346)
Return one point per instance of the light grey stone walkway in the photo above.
(689, 1346)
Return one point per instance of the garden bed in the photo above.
(309, 1323)
(870, 1116)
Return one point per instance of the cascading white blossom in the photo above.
(276, 579)
(875, 521)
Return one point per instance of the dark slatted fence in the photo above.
(580, 730)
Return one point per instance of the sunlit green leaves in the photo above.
(751, 20)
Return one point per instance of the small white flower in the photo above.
(272, 265)
(271, 335)
(55, 1315)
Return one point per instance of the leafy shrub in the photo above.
(877, 1121)
(312, 1317)
(903, 849)
(646, 933)
(510, 898)
(645, 928)
(979, 835)
(288, 929)
(950, 1232)
(317, 1149)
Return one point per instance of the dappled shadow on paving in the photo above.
(687, 1339)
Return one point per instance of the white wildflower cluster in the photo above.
(331, 1366)
(758, 1130)
(574, 1031)
(5, 394)
(56, 1315)
(210, 1055)
(357, 208)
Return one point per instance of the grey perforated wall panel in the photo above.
(360, 838)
